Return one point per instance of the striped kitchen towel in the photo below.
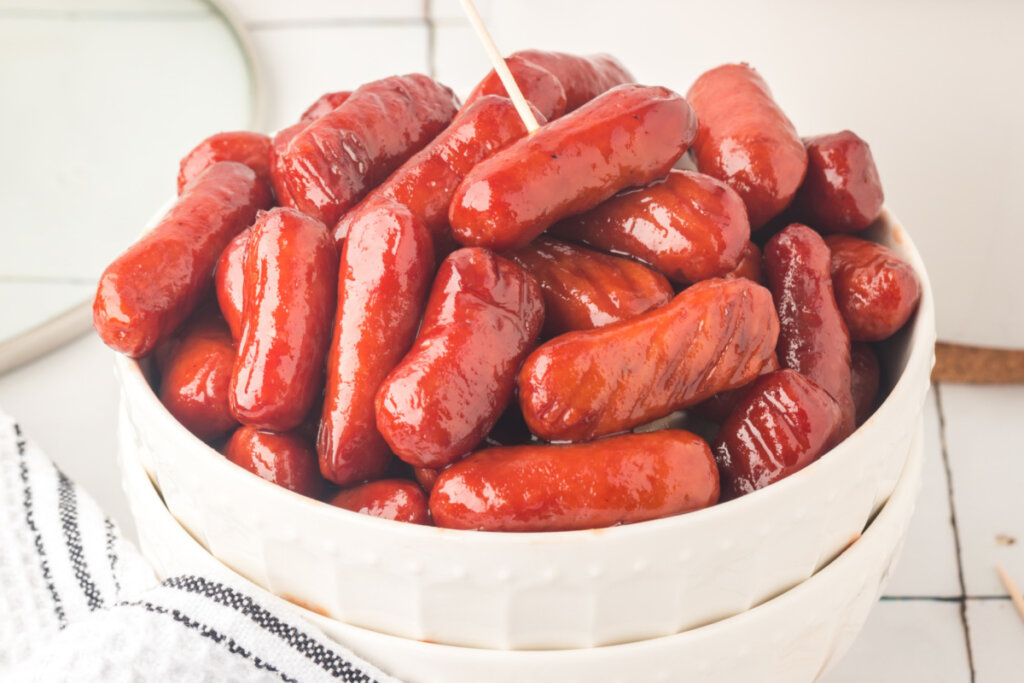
(79, 603)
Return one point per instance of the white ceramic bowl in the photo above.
(540, 590)
(792, 638)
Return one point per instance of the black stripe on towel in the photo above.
(311, 649)
(67, 503)
(112, 553)
(30, 522)
(211, 633)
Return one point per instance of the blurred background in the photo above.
(102, 97)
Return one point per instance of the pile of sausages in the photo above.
(414, 309)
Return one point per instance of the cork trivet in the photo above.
(956, 363)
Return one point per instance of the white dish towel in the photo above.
(79, 603)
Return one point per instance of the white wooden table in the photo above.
(945, 616)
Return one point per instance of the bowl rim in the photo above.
(921, 343)
(907, 487)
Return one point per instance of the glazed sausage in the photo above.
(538, 85)
(865, 377)
(279, 143)
(875, 289)
(746, 140)
(626, 137)
(813, 339)
(582, 77)
(427, 181)
(250, 149)
(782, 425)
(287, 459)
(842, 191)
(585, 289)
(339, 157)
(688, 226)
(483, 316)
(383, 280)
(291, 271)
(325, 104)
(229, 281)
(278, 146)
(621, 479)
(153, 286)
(718, 407)
(713, 336)
(749, 265)
(397, 499)
(197, 377)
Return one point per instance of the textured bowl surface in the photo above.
(792, 638)
(541, 591)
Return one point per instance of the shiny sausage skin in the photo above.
(813, 339)
(718, 407)
(287, 459)
(229, 281)
(841, 191)
(585, 289)
(278, 146)
(279, 143)
(749, 265)
(875, 289)
(338, 158)
(784, 424)
(865, 378)
(482, 318)
(196, 378)
(383, 280)
(291, 271)
(250, 149)
(626, 137)
(583, 77)
(688, 226)
(156, 283)
(426, 182)
(325, 104)
(714, 336)
(746, 140)
(618, 480)
(538, 85)
(397, 499)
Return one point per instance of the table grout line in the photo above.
(40, 14)
(944, 450)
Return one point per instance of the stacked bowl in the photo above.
(771, 586)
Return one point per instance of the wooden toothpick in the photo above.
(1011, 588)
(500, 67)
